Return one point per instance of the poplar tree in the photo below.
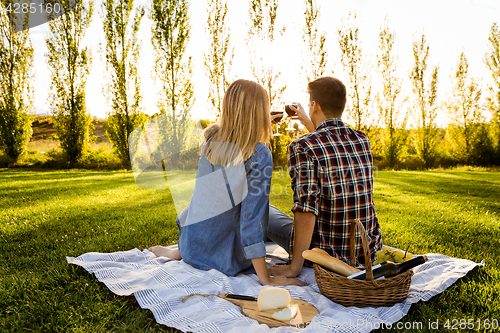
(173, 72)
(466, 133)
(424, 108)
(69, 63)
(356, 67)
(123, 85)
(16, 90)
(315, 54)
(394, 133)
(261, 31)
(218, 59)
(492, 61)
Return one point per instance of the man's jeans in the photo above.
(279, 227)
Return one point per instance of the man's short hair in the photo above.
(329, 93)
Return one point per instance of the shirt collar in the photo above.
(331, 122)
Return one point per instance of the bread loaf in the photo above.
(321, 257)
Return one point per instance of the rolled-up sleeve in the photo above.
(255, 206)
(305, 184)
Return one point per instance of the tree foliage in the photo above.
(280, 143)
(492, 60)
(218, 59)
(315, 54)
(173, 72)
(69, 63)
(356, 68)
(16, 90)
(466, 133)
(123, 85)
(261, 31)
(424, 105)
(394, 134)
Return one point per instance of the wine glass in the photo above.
(290, 113)
(274, 111)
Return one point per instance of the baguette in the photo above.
(321, 257)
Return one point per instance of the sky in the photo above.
(451, 27)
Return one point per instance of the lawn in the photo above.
(46, 216)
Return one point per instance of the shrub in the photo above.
(101, 158)
(32, 159)
(279, 145)
(44, 120)
(5, 161)
(475, 148)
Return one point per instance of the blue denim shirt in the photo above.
(225, 224)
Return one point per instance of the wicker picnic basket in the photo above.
(362, 293)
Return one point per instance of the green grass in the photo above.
(46, 216)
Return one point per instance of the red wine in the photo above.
(289, 111)
(388, 269)
(277, 120)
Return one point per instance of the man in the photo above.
(332, 181)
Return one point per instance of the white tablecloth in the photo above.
(159, 284)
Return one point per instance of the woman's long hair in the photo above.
(244, 123)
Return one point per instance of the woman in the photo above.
(225, 225)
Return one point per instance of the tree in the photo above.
(394, 135)
(69, 64)
(16, 92)
(170, 35)
(315, 54)
(123, 85)
(466, 131)
(218, 59)
(424, 107)
(261, 31)
(492, 61)
(356, 67)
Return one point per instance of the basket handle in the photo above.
(364, 242)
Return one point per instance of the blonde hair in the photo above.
(244, 123)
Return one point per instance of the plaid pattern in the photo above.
(332, 177)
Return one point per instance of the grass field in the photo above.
(46, 216)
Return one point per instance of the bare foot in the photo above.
(162, 251)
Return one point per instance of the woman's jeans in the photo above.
(279, 227)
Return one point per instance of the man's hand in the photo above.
(285, 270)
(265, 279)
(302, 116)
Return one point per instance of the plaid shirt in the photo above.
(332, 177)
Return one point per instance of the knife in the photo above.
(240, 297)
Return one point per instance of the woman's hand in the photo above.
(265, 279)
(272, 118)
(284, 281)
(302, 116)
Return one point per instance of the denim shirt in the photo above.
(225, 224)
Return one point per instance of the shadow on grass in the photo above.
(40, 291)
(441, 216)
(467, 186)
(39, 189)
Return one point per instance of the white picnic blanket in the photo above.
(159, 284)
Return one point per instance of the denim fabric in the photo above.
(279, 228)
(236, 201)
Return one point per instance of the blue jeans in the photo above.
(279, 228)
